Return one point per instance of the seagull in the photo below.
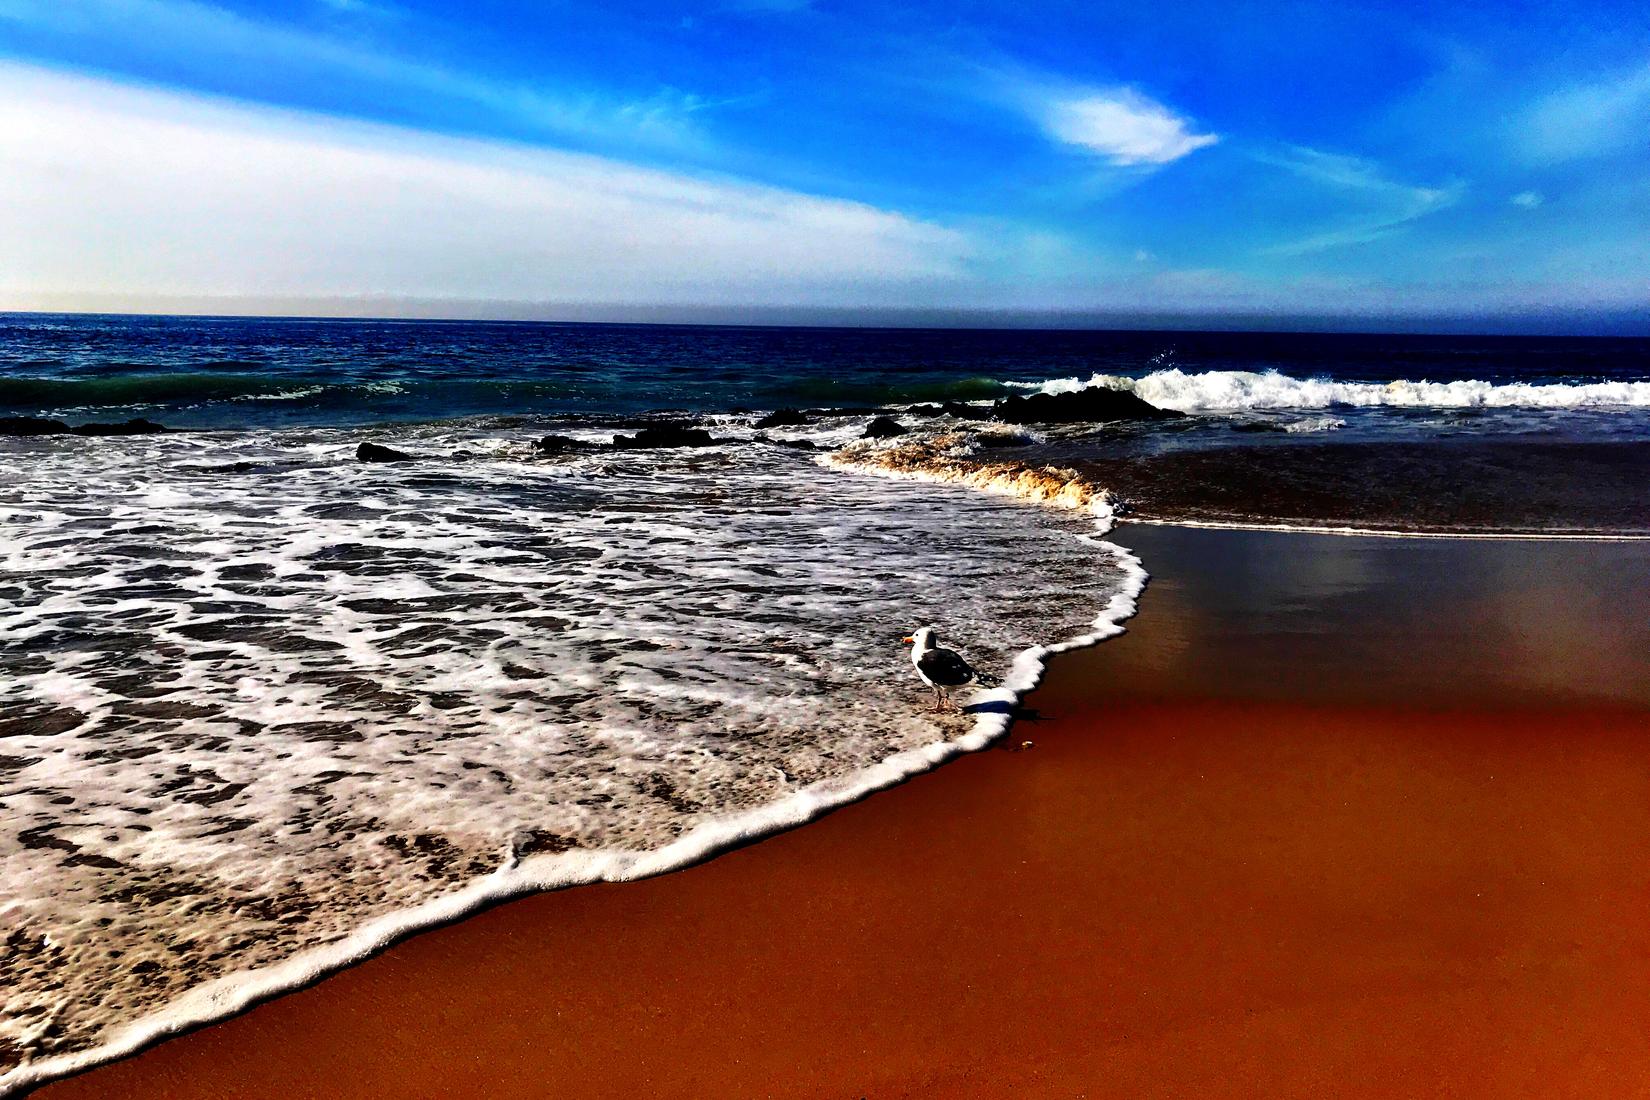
(944, 670)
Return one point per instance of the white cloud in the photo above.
(1529, 200)
(1588, 120)
(110, 189)
(1123, 126)
(1378, 205)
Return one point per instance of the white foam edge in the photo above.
(1385, 532)
(233, 993)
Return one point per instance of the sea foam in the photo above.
(267, 708)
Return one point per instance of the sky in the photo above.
(1240, 162)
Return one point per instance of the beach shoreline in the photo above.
(1213, 868)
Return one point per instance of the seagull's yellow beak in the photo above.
(909, 641)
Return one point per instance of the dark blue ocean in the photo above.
(249, 372)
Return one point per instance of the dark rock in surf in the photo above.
(783, 418)
(1095, 405)
(31, 425)
(884, 427)
(670, 435)
(372, 452)
(559, 444)
(954, 409)
(138, 426)
(37, 425)
(793, 444)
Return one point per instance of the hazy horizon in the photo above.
(1633, 326)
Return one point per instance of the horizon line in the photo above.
(1581, 325)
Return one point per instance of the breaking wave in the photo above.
(952, 459)
(1230, 391)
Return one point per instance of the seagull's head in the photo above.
(922, 639)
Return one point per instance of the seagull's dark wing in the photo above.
(945, 668)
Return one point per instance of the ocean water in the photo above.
(266, 707)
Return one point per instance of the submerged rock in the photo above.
(783, 418)
(39, 425)
(137, 426)
(31, 425)
(372, 452)
(884, 427)
(1095, 405)
(670, 435)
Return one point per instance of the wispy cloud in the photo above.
(1527, 200)
(211, 39)
(110, 189)
(1123, 126)
(1379, 205)
(1587, 120)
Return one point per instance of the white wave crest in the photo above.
(1229, 390)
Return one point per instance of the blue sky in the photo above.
(1194, 160)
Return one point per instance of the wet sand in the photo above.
(1447, 483)
(1337, 816)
